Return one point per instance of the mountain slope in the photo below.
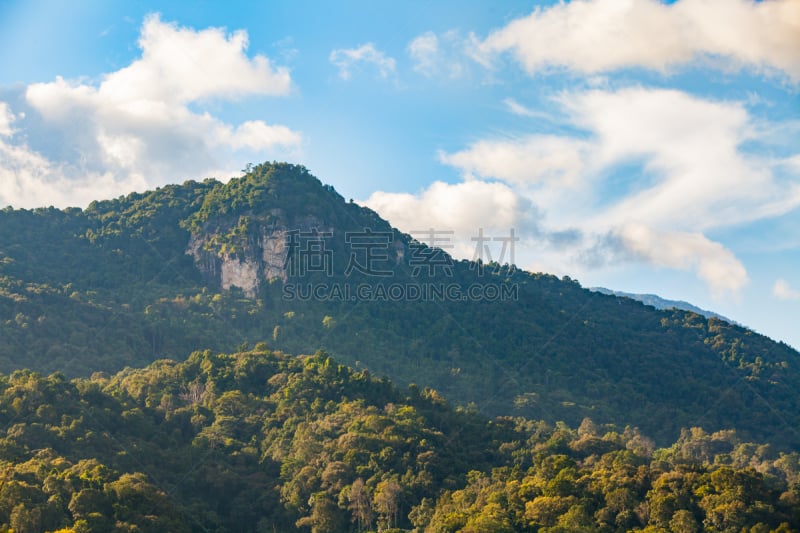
(261, 441)
(276, 256)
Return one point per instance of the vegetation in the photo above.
(112, 286)
(261, 441)
(577, 411)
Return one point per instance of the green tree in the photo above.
(325, 516)
(386, 501)
(360, 504)
(683, 521)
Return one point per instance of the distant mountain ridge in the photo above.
(662, 303)
(278, 257)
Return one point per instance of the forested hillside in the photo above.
(221, 266)
(259, 441)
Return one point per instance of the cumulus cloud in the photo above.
(783, 291)
(138, 127)
(350, 59)
(462, 206)
(534, 158)
(257, 135)
(183, 65)
(653, 168)
(698, 175)
(30, 179)
(694, 170)
(592, 36)
(464, 209)
(713, 263)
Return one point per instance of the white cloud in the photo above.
(180, 65)
(695, 174)
(523, 111)
(442, 55)
(6, 118)
(424, 51)
(29, 179)
(783, 291)
(592, 36)
(350, 59)
(655, 168)
(713, 263)
(462, 208)
(135, 128)
(257, 135)
(536, 158)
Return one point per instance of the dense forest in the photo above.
(206, 265)
(261, 441)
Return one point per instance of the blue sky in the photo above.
(638, 145)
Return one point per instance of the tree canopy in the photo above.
(262, 441)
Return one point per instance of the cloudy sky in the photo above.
(634, 144)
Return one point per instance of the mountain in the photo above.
(662, 303)
(259, 441)
(275, 256)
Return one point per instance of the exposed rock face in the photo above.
(274, 252)
(242, 274)
(231, 257)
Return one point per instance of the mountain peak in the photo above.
(264, 187)
(242, 235)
